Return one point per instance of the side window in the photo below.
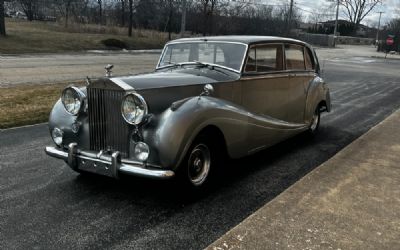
(310, 65)
(294, 57)
(265, 58)
(251, 65)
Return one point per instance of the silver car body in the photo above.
(251, 111)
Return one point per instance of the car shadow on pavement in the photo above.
(271, 170)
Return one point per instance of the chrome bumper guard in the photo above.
(109, 165)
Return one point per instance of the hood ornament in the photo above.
(207, 90)
(108, 69)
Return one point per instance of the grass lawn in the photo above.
(49, 37)
(28, 104)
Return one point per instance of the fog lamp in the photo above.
(57, 135)
(141, 151)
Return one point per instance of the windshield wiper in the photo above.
(173, 64)
(211, 66)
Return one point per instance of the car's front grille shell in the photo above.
(107, 128)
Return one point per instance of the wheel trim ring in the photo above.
(201, 154)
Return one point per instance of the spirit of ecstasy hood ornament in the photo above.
(108, 69)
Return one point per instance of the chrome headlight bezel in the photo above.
(79, 96)
(140, 102)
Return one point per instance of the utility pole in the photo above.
(379, 26)
(290, 18)
(183, 21)
(336, 24)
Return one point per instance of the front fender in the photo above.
(178, 128)
(61, 119)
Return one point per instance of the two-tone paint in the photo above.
(250, 111)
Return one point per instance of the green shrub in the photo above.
(114, 43)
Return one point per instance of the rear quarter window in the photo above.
(310, 64)
(294, 57)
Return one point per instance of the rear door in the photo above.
(297, 63)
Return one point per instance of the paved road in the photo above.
(43, 204)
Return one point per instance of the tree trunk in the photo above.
(2, 22)
(123, 13)
(130, 18)
(100, 12)
(183, 20)
(66, 15)
(211, 26)
(205, 18)
(170, 20)
(29, 12)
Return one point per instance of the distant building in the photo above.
(345, 28)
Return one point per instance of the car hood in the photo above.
(175, 78)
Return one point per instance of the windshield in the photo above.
(228, 55)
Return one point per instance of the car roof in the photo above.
(242, 39)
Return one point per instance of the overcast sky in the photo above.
(390, 7)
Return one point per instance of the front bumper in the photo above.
(109, 165)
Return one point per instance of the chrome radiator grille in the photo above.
(108, 130)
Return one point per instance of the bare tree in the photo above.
(65, 9)
(357, 10)
(29, 7)
(208, 13)
(2, 22)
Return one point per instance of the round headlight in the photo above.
(57, 135)
(72, 99)
(134, 108)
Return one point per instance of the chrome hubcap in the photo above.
(199, 164)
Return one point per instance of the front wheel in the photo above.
(200, 162)
(315, 121)
(198, 165)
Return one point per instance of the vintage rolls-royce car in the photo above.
(208, 97)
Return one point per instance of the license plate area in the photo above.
(97, 167)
